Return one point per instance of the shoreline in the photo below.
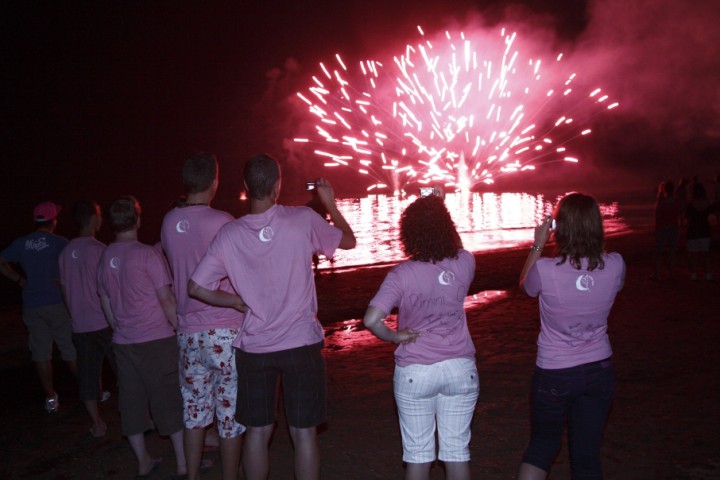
(664, 423)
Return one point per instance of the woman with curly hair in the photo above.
(573, 376)
(436, 381)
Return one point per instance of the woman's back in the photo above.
(574, 306)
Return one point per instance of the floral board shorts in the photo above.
(208, 380)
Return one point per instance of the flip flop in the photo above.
(155, 464)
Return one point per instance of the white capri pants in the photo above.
(442, 394)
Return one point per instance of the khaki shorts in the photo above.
(48, 324)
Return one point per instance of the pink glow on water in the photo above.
(485, 221)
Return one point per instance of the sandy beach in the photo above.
(665, 422)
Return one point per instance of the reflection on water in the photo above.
(351, 334)
(485, 221)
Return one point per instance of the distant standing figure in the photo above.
(698, 232)
(573, 379)
(135, 291)
(208, 376)
(266, 254)
(436, 381)
(668, 213)
(91, 333)
(44, 312)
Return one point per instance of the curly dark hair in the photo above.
(579, 232)
(427, 231)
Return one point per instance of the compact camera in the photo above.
(310, 186)
(426, 191)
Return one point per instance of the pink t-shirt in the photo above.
(267, 257)
(430, 298)
(186, 235)
(574, 308)
(78, 275)
(129, 274)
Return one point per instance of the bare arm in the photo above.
(107, 310)
(219, 298)
(7, 270)
(167, 303)
(374, 321)
(542, 234)
(327, 196)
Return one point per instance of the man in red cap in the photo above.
(44, 312)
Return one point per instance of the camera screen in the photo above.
(309, 186)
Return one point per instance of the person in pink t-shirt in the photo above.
(208, 376)
(135, 292)
(436, 381)
(573, 379)
(267, 257)
(92, 335)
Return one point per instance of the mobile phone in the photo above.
(309, 186)
(426, 191)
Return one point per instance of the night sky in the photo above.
(106, 98)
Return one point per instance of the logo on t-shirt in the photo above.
(182, 226)
(37, 245)
(584, 282)
(446, 277)
(115, 262)
(75, 254)
(266, 234)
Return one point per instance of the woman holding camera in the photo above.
(573, 376)
(436, 382)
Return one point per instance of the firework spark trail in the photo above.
(448, 113)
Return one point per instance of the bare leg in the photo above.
(531, 472)
(45, 374)
(177, 443)
(307, 453)
(98, 428)
(418, 471)
(145, 461)
(212, 437)
(255, 452)
(230, 455)
(72, 365)
(457, 470)
(194, 439)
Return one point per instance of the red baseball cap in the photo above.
(46, 211)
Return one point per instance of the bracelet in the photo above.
(536, 248)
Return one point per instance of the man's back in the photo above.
(267, 258)
(78, 274)
(186, 235)
(38, 254)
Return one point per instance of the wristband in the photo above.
(536, 248)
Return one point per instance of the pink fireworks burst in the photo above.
(456, 112)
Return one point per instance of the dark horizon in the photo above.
(103, 99)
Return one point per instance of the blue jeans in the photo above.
(583, 395)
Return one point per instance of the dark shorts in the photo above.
(92, 348)
(148, 373)
(302, 371)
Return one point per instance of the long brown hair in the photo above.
(579, 232)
